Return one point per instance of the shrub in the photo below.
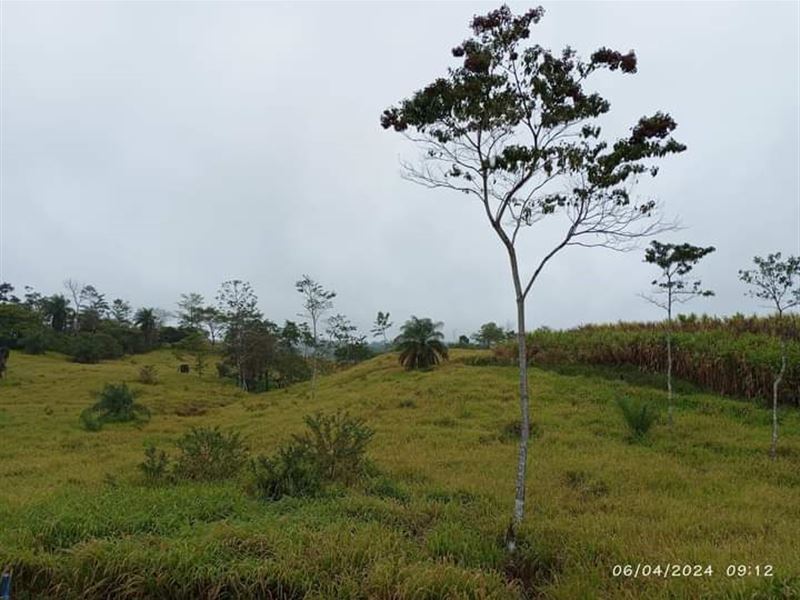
(34, 342)
(639, 416)
(93, 347)
(116, 403)
(148, 374)
(332, 450)
(209, 454)
(293, 471)
(155, 464)
(338, 444)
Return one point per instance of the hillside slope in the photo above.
(79, 520)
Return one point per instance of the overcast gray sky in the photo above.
(155, 148)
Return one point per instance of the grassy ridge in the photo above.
(737, 356)
(79, 521)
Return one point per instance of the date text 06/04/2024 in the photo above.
(689, 570)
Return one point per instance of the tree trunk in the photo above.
(314, 359)
(524, 429)
(669, 355)
(773, 451)
(669, 375)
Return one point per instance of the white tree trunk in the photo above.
(773, 451)
(524, 433)
(669, 376)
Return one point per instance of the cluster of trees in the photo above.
(255, 351)
(80, 322)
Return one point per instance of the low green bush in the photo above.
(333, 450)
(292, 471)
(93, 347)
(338, 443)
(208, 454)
(155, 465)
(35, 342)
(116, 404)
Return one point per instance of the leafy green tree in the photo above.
(675, 262)
(190, 315)
(238, 305)
(778, 282)
(121, 311)
(489, 334)
(16, 321)
(7, 294)
(213, 322)
(420, 344)
(380, 327)
(513, 126)
(348, 345)
(316, 302)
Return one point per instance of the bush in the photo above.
(116, 403)
(34, 342)
(639, 416)
(94, 347)
(293, 471)
(338, 444)
(155, 464)
(333, 450)
(148, 374)
(209, 454)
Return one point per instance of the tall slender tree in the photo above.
(778, 282)
(512, 126)
(238, 305)
(381, 326)
(673, 286)
(316, 302)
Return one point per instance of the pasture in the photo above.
(79, 520)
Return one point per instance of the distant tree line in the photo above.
(251, 349)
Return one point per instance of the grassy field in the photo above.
(79, 521)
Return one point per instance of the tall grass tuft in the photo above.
(639, 416)
(116, 403)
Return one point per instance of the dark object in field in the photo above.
(184, 368)
(5, 580)
(4, 352)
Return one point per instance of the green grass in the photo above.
(78, 519)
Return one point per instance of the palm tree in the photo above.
(420, 344)
(56, 311)
(145, 319)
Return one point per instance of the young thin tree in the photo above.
(673, 287)
(316, 302)
(778, 282)
(238, 305)
(75, 288)
(213, 321)
(513, 127)
(380, 327)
